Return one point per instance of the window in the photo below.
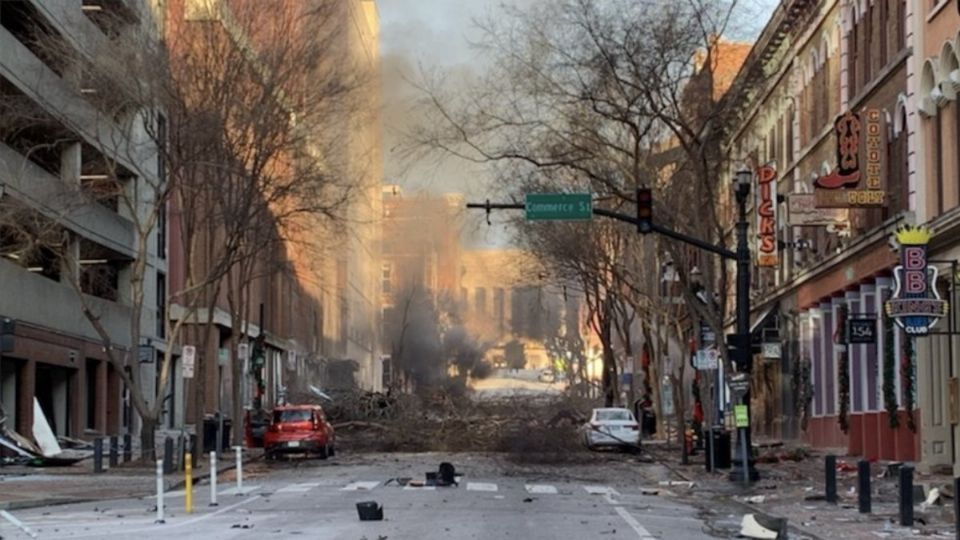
(91, 380)
(161, 305)
(480, 296)
(386, 278)
(162, 231)
(901, 24)
(789, 135)
(884, 23)
(867, 33)
(853, 55)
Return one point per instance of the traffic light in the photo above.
(644, 210)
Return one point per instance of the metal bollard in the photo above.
(168, 456)
(830, 477)
(906, 496)
(114, 451)
(127, 447)
(239, 470)
(863, 483)
(213, 479)
(160, 471)
(188, 487)
(956, 506)
(98, 455)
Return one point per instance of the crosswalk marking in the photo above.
(361, 486)
(242, 491)
(540, 489)
(481, 486)
(408, 487)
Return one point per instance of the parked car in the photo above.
(299, 429)
(547, 376)
(611, 427)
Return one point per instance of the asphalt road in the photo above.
(316, 499)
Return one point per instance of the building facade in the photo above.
(819, 68)
(72, 167)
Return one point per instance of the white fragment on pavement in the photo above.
(366, 485)
(481, 486)
(932, 499)
(756, 499)
(541, 489)
(750, 528)
(410, 487)
(676, 483)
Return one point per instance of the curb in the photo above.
(26, 504)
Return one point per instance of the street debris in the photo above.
(932, 498)
(756, 499)
(676, 483)
(370, 511)
(762, 527)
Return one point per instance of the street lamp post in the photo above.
(743, 355)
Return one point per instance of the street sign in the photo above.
(739, 384)
(860, 331)
(707, 359)
(559, 206)
(771, 351)
(741, 416)
(188, 357)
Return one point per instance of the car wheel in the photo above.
(332, 452)
(324, 451)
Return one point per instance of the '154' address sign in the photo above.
(861, 331)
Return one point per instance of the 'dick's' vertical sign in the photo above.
(916, 304)
(767, 216)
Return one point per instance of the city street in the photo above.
(316, 499)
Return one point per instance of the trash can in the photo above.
(718, 442)
(210, 426)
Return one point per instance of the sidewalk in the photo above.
(30, 487)
(795, 490)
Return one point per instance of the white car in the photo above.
(612, 427)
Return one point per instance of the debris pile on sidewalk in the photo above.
(792, 487)
(44, 449)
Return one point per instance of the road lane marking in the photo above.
(641, 531)
(361, 486)
(154, 529)
(541, 489)
(230, 491)
(298, 488)
(481, 486)
(601, 490)
(408, 487)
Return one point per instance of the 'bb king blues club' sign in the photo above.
(916, 305)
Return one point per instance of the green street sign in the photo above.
(559, 206)
(740, 416)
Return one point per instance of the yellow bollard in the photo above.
(188, 469)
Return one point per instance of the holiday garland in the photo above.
(889, 373)
(843, 369)
(907, 380)
(843, 378)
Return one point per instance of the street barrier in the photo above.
(906, 496)
(863, 485)
(830, 470)
(239, 469)
(98, 455)
(160, 471)
(188, 487)
(213, 479)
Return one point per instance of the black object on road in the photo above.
(830, 479)
(448, 474)
(863, 487)
(370, 511)
(906, 496)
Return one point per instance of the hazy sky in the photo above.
(436, 34)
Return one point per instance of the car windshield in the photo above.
(291, 415)
(617, 415)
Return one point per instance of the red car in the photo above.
(299, 429)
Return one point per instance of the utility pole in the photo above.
(565, 207)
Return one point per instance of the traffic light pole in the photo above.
(742, 354)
